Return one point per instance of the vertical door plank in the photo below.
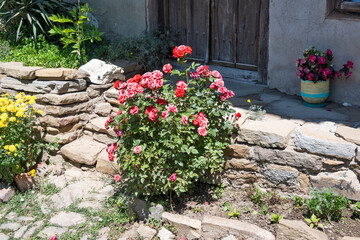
(263, 41)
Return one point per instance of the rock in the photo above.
(71, 109)
(156, 212)
(60, 74)
(294, 230)
(214, 226)
(231, 237)
(20, 232)
(37, 86)
(349, 134)
(10, 226)
(128, 65)
(24, 181)
(17, 70)
(6, 192)
(318, 139)
(70, 128)
(3, 236)
(32, 230)
(103, 233)
(350, 238)
(101, 87)
(105, 166)
(333, 163)
(102, 109)
(101, 72)
(239, 178)
(83, 150)
(112, 96)
(273, 133)
(146, 232)
(90, 204)
(92, 93)
(343, 182)
(59, 122)
(165, 234)
(306, 161)
(241, 164)
(64, 99)
(281, 174)
(140, 208)
(98, 125)
(48, 232)
(103, 138)
(25, 219)
(237, 151)
(62, 138)
(187, 227)
(304, 182)
(11, 216)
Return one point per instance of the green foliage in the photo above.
(37, 53)
(19, 144)
(219, 192)
(197, 210)
(265, 210)
(123, 213)
(326, 205)
(174, 155)
(256, 112)
(171, 228)
(298, 201)
(28, 17)
(76, 31)
(275, 218)
(49, 189)
(227, 206)
(356, 208)
(234, 214)
(258, 196)
(314, 222)
(155, 224)
(150, 49)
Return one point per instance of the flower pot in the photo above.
(315, 94)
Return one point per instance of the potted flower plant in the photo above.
(315, 69)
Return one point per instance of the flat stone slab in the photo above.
(318, 139)
(55, 99)
(59, 111)
(38, 86)
(294, 230)
(289, 157)
(146, 232)
(281, 174)
(48, 232)
(343, 182)
(10, 226)
(241, 164)
(349, 134)
(84, 150)
(67, 219)
(105, 166)
(269, 132)
(6, 192)
(62, 138)
(237, 151)
(165, 234)
(17, 70)
(213, 226)
(187, 227)
(32, 230)
(59, 122)
(3, 236)
(98, 125)
(60, 74)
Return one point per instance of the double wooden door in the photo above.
(227, 32)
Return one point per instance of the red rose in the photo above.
(178, 53)
(116, 84)
(161, 101)
(179, 92)
(237, 116)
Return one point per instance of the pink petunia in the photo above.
(117, 178)
(184, 119)
(173, 177)
(202, 131)
(137, 149)
(134, 110)
(172, 108)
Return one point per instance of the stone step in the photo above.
(17, 70)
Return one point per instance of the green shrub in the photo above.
(169, 138)
(326, 205)
(38, 53)
(29, 17)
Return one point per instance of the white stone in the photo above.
(25, 219)
(10, 226)
(20, 232)
(186, 226)
(165, 234)
(146, 232)
(101, 72)
(103, 233)
(6, 192)
(294, 230)
(11, 216)
(343, 182)
(214, 226)
(98, 125)
(270, 132)
(48, 232)
(349, 134)
(32, 230)
(318, 139)
(67, 219)
(102, 109)
(231, 237)
(3, 236)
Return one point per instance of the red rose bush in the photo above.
(169, 134)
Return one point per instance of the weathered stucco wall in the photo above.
(120, 17)
(298, 24)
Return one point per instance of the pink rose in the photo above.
(184, 119)
(122, 99)
(167, 68)
(181, 85)
(137, 149)
(173, 177)
(117, 178)
(222, 89)
(53, 237)
(312, 58)
(215, 74)
(172, 108)
(164, 114)
(134, 110)
(202, 131)
(194, 75)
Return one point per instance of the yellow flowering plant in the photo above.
(19, 146)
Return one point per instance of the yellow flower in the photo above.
(41, 112)
(8, 153)
(15, 154)
(12, 148)
(32, 172)
(17, 167)
(16, 145)
(12, 119)
(6, 147)
(249, 101)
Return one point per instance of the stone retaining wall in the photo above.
(294, 156)
(289, 155)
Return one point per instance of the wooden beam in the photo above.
(350, 7)
(263, 56)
